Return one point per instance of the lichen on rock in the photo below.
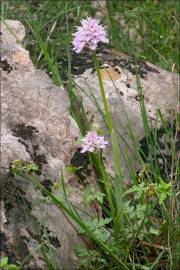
(36, 127)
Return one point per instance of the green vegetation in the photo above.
(139, 228)
(8, 266)
(145, 28)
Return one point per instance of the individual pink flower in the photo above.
(88, 35)
(92, 142)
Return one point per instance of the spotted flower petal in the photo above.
(89, 34)
(92, 141)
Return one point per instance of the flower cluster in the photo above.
(89, 35)
(92, 141)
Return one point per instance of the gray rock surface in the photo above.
(36, 127)
(160, 89)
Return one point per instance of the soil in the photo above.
(83, 61)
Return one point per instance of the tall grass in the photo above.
(147, 29)
(139, 228)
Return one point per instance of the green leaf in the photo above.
(88, 258)
(91, 195)
(137, 189)
(20, 166)
(140, 211)
(12, 267)
(163, 190)
(98, 228)
(3, 261)
(72, 169)
(154, 231)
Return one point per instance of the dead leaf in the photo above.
(109, 74)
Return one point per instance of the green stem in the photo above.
(119, 223)
(108, 116)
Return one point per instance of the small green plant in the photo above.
(19, 166)
(90, 196)
(89, 259)
(163, 190)
(72, 169)
(146, 190)
(98, 227)
(4, 265)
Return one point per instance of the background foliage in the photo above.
(145, 28)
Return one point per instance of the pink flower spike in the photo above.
(91, 142)
(89, 34)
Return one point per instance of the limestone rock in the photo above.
(36, 127)
(160, 91)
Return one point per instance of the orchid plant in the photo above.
(88, 35)
(137, 222)
(92, 141)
